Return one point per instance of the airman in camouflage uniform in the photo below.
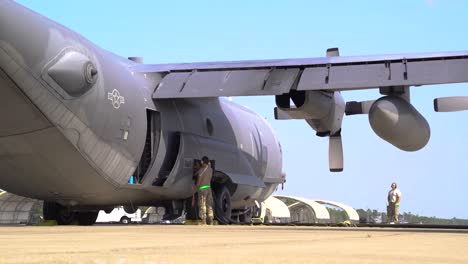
(205, 197)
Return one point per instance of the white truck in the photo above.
(118, 215)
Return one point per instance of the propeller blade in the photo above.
(357, 108)
(451, 104)
(335, 153)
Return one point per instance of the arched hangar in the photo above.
(304, 210)
(15, 209)
(353, 216)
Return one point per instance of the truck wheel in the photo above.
(125, 220)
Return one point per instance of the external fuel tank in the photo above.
(396, 121)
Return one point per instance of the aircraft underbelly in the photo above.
(44, 165)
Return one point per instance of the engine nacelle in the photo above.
(396, 121)
(323, 111)
(317, 104)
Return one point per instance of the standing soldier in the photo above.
(393, 209)
(205, 197)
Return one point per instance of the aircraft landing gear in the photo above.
(87, 218)
(64, 216)
(222, 204)
(49, 211)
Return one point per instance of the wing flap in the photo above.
(384, 74)
(226, 83)
(281, 80)
(173, 83)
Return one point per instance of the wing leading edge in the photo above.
(276, 77)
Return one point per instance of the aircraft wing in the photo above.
(332, 73)
(314, 86)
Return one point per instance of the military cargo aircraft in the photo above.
(84, 129)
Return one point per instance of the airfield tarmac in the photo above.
(229, 244)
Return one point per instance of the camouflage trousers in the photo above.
(205, 205)
(393, 210)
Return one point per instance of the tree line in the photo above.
(374, 216)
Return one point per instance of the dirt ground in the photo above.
(229, 244)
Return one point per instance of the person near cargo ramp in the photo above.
(393, 209)
(205, 197)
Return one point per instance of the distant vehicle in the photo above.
(119, 215)
(259, 214)
(272, 210)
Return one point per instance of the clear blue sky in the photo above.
(433, 181)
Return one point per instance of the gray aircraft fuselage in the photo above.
(77, 137)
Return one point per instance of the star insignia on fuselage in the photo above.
(116, 98)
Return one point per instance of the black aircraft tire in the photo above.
(222, 204)
(49, 210)
(87, 218)
(65, 216)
